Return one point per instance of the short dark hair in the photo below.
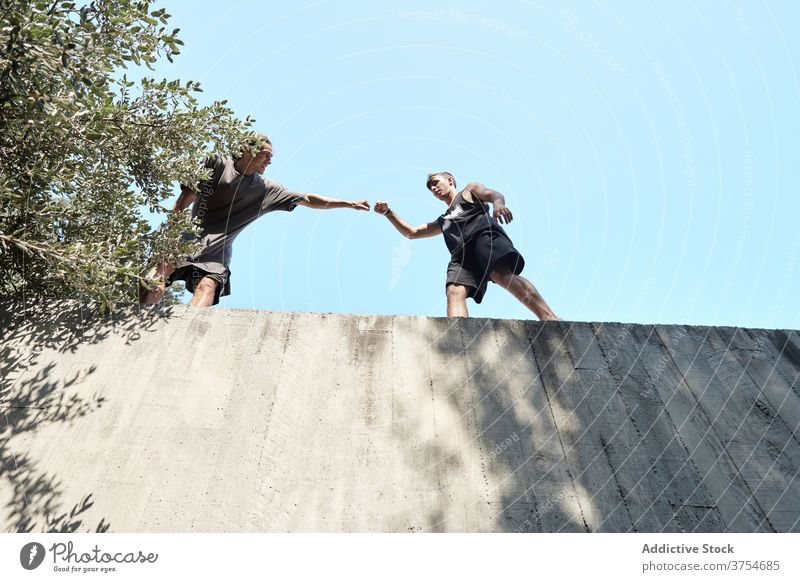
(432, 176)
(254, 136)
(261, 136)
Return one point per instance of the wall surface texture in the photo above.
(175, 419)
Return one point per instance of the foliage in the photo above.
(85, 151)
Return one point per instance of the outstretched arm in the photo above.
(501, 213)
(321, 202)
(408, 231)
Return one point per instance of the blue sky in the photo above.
(649, 151)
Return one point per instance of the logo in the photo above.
(453, 213)
(31, 555)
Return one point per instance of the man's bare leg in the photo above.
(163, 271)
(457, 301)
(524, 290)
(204, 292)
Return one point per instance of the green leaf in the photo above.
(77, 178)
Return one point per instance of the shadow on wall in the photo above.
(30, 395)
(491, 381)
(626, 428)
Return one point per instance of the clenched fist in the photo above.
(360, 204)
(382, 207)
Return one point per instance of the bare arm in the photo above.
(186, 198)
(501, 213)
(321, 202)
(162, 269)
(404, 228)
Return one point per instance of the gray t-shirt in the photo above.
(226, 204)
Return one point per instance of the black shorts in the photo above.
(191, 275)
(473, 266)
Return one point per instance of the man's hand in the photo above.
(359, 204)
(502, 214)
(382, 207)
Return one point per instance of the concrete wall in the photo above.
(179, 419)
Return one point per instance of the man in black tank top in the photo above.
(480, 250)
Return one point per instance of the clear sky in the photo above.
(650, 152)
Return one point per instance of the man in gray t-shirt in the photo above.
(235, 196)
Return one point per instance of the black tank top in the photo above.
(464, 220)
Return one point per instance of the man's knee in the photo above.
(206, 285)
(502, 275)
(456, 292)
(205, 292)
